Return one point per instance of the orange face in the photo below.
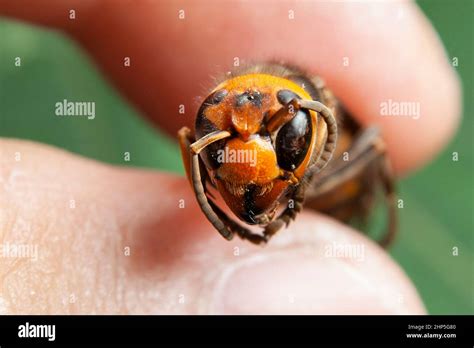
(256, 168)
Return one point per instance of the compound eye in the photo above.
(205, 126)
(293, 140)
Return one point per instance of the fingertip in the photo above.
(370, 54)
(317, 266)
(403, 81)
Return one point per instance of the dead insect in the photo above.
(262, 138)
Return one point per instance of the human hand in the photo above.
(177, 262)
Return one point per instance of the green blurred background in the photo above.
(438, 214)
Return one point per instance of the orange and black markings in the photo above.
(267, 140)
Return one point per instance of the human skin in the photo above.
(177, 262)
